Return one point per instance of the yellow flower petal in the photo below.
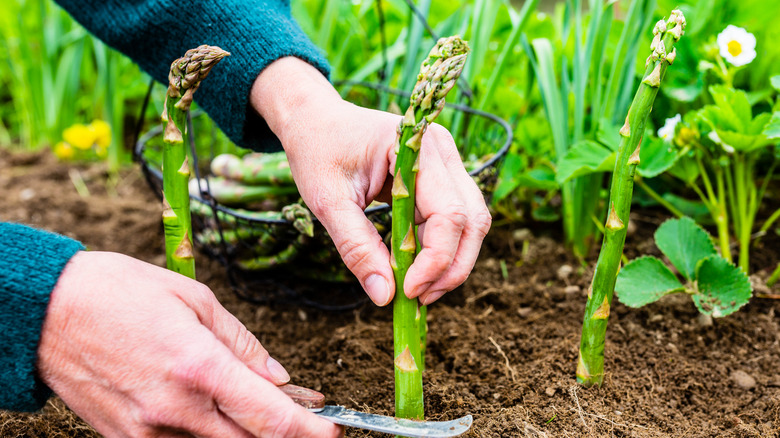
(102, 132)
(64, 151)
(79, 136)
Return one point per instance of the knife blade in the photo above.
(398, 426)
(315, 402)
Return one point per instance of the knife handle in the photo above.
(308, 398)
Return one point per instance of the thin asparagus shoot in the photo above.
(590, 366)
(184, 79)
(438, 74)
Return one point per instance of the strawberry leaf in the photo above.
(645, 280)
(722, 287)
(685, 243)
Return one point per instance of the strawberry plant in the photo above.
(716, 286)
(716, 152)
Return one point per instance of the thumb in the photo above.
(258, 406)
(235, 336)
(361, 248)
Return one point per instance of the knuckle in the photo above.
(247, 345)
(162, 414)
(353, 253)
(456, 216)
(280, 425)
(199, 294)
(191, 369)
(482, 221)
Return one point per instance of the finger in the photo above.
(477, 224)
(361, 248)
(476, 228)
(258, 406)
(444, 215)
(206, 425)
(215, 424)
(234, 335)
(459, 270)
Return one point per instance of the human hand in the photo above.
(342, 157)
(137, 350)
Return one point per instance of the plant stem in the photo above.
(184, 78)
(658, 198)
(774, 277)
(590, 367)
(742, 227)
(722, 218)
(437, 76)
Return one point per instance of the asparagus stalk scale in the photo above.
(184, 79)
(437, 76)
(590, 366)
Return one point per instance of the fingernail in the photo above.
(277, 371)
(419, 290)
(378, 289)
(431, 297)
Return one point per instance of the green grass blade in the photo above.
(519, 21)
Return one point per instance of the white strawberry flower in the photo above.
(737, 46)
(666, 132)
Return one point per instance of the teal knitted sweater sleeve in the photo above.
(30, 264)
(156, 32)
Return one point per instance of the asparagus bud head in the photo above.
(188, 71)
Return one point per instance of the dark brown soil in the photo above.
(501, 349)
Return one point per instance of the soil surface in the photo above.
(500, 348)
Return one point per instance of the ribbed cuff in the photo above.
(31, 262)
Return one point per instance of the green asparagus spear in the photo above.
(284, 256)
(590, 366)
(231, 192)
(184, 79)
(437, 76)
(254, 169)
(299, 215)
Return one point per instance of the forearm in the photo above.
(32, 263)
(256, 32)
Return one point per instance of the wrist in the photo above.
(288, 92)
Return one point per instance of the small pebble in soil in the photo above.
(672, 348)
(26, 194)
(524, 312)
(743, 379)
(571, 290)
(704, 320)
(656, 318)
(550, 391)
(564, 272)
(522, 234)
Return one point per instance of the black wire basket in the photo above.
(268, 256)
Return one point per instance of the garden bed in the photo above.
(503, 350)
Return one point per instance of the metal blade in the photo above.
(397, 426)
